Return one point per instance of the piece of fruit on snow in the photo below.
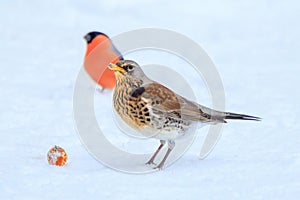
(57, 156)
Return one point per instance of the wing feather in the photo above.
(165, 101)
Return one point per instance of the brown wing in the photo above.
(166, 101)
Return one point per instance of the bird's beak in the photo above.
(115, 67)
(87, 37)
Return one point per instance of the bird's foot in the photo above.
(100, 90)
(159, 167)
(150, 162)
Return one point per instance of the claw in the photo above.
(159, 167)
(150, 162)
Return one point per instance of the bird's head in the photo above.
(127, 69)
(91, 36)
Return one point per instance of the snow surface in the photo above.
(255, 46)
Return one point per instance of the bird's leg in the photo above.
(101, 90)
(171, 145)
(151, 161)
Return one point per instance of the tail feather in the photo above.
(234, 116)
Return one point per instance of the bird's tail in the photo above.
(209, 115)
(234, 116)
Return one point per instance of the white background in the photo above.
(255, 46)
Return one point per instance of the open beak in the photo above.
(115, 67)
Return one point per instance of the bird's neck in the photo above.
(123, 91)
(129, 82)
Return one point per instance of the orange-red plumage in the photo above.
(99, 53)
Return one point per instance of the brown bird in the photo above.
(156, 111)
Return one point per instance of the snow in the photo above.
(254, 45)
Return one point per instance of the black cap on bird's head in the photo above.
(89, 37)
(95, 38)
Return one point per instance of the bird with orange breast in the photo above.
(100, 52)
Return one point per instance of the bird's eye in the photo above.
(130, 67)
